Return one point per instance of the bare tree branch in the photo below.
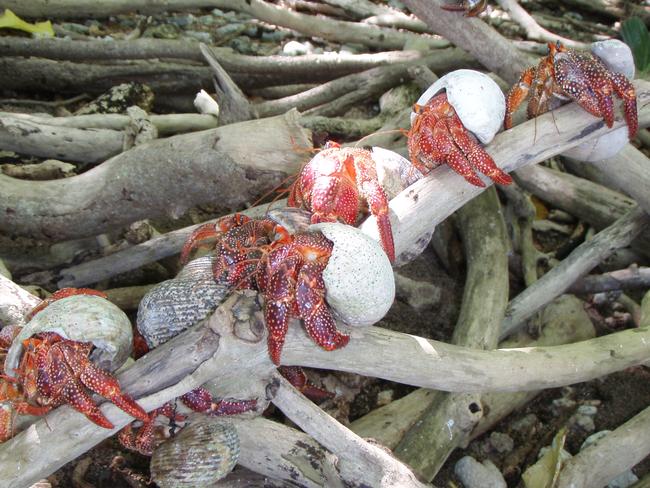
(584, 258)
(165, 176)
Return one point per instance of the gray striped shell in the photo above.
(200, 455)
(175, 305)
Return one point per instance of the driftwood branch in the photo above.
(588, 201)
(161, 177)
(66, 143)
(533, 30)
(622, 279)
(430, 200)
(564, 321)
(622, 449)
(15, 302)
(166, 125)
(359, 462)
(584, 258)
(424, 204)
(240, 367)
(492, 50)
(431, 439)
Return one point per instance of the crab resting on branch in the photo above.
(568, 74)
(341, 184)
(300, 274)
(445, 126)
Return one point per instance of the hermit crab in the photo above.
(341, 184)
(299, 274)
(580, 76)
(69, 345)
(445, 126)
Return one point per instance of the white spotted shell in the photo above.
(358, 277)
(200, 455)
(476, 98)
(81, 318)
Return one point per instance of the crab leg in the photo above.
(625, 90)
(107, 386)
(205, 234)
(279, 305)
(476, 156)
(310, 298)
(371, 190)
(518, 94)
(200, 400)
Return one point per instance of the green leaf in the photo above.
(11, 21)
(635, 34)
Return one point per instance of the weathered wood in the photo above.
(165, 176)
(582, 260)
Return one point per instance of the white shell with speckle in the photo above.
(477, 99)
(358, 277)
(617, 56)
(83, 318)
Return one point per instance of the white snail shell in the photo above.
(82, 318)
(200, 455)
(476, 98)
(617, 56)
(358, 278)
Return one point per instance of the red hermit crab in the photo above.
(48, 364)
(297, 273)
(573, 75)
(341, 184)
(445, 126)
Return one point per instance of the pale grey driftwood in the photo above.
(168, 124)
(421, 206)
(66, 143)
(359, 462)
(432, 438)
(430, 200)
(473, 35)
(232, 350)
(15, 302)
(582, 260)
(165, 176)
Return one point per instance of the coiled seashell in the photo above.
(200, 455)
(82, 318)
(175, 305)
(358, 277)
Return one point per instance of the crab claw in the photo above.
(310, 298)
(206, 234)
(200, 400)
(107, 386)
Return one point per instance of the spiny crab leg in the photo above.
(318, 320)
(206, 234)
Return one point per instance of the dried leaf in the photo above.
(544, 473)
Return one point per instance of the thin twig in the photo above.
(584, 258)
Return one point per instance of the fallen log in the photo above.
(163, 177)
